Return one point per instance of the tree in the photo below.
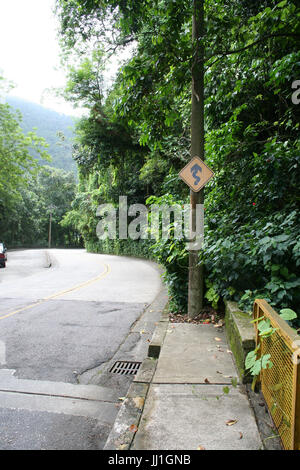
(28, 220)
(17, 162)
(15, 154)
(251, 127)
(27, 188)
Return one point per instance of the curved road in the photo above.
(65, 317)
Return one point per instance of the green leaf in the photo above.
(250, 359)
(282, 4)
(255, 370)
(288, 314)
(277, 387)
(267, 332)
(264, 325)
(265, 361)
(273, 408)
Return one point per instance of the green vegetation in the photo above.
(255, 361)
(29, 187)
(57, 129)
(137, 136)
(27, 222)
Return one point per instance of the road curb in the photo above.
(126, 424)
(159, 335)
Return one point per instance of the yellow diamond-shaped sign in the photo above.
(196, 174)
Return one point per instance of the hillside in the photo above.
(47, 124)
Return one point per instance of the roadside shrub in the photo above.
(137, 248)
(259, 259)
(256, 260)
(172, 254)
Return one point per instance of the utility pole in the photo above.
(49, 234)
(196, 281)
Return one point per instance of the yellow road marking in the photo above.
(66, 291)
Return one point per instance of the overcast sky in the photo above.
(29, 51)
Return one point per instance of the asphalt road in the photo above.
(66, 316)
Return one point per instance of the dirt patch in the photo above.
(207, 315)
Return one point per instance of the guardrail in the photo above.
(280, 384)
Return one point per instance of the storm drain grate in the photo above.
(125, 367)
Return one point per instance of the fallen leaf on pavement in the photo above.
(219, 324)
(133, 428)
(201, 448)
(241, 435)
(122, 447)
(206, 381)
(231, 422)
(139, 402)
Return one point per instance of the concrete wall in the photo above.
(241, 336)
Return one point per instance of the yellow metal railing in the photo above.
(280, 384)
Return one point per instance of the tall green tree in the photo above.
(27, 222)
(251, 127)
(17, 162)
(28, 188)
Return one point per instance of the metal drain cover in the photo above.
(125, 367)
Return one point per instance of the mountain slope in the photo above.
(48, 123)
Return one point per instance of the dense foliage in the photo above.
(137, 136)
(29, 189)
(52, 191)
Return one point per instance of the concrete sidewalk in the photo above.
(187, 399)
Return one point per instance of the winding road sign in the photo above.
(196, 174)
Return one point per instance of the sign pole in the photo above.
(49, 232)
(196, 278)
